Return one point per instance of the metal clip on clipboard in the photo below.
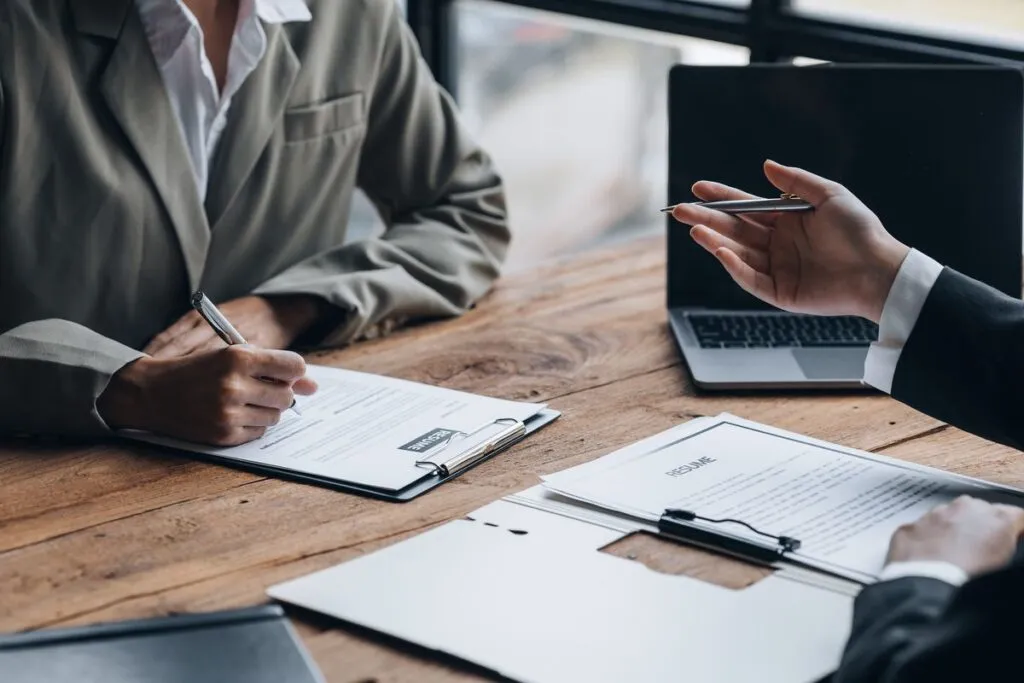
(673, 523)
(477, 444)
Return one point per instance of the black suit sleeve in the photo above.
(921, 630)
(964, 361)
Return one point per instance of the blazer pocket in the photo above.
(325, 118)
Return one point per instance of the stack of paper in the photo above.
(842, 504)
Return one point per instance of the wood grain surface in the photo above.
(102, 531)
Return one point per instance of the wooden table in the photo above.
(99, 532)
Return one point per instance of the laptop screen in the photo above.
(936, 152)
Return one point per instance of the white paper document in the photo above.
(842, 507)
(367, 429)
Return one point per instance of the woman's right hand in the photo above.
(223, 398)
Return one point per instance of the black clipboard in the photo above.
(435, 464)
(252, 645)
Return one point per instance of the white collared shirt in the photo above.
(176, 39)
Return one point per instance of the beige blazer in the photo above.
(102, 232)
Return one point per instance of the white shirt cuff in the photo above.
(943, 571)
(910, 289)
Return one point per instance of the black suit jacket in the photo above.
(963, 364)
(964, 361)
(918, 630)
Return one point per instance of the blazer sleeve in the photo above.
(2, 110)
(921, 630)
(440, 197)
(51, 374)
(964, 361)
(52, 371)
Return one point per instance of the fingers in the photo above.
(813, 188)
(716, 191)
(747, 233)
(305, 386)
(247, 408)
(1011, 515)
(283, 366)
(1014, 516)
(713, 240)
(256, 416)
(185, 323)
(240, 435)
(708, 191)
(753, 282)
(747, 267)
(267, 394)
(213, 343)
(190, 340)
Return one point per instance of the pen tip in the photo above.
(667, 209)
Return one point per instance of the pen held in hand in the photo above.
(222, 326)
(786, 203)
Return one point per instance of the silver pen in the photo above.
(785, 203)
(221, 325)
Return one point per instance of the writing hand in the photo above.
(835, 260)
(217, 397)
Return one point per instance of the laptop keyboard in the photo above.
(718, 331)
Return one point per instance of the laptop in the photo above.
(951, 138)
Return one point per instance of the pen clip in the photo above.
(508, 432)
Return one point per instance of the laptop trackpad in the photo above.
(831, 363)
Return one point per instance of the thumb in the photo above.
(806, 185)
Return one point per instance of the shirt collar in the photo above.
(282, 11)
(270, 11)
(167, 22)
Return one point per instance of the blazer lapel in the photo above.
(255, 113)
(134, 90)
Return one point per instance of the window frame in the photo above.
(769, 28)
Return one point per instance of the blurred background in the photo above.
(573, 109)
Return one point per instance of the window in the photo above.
(569, 95)
(998, 20)
(574, 113)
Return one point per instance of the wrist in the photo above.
(296, 313)
(122, 404)
(303, 317)
(941, 570)
(879, 277)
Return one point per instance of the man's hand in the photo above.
(835, 260)
(224, 397)
(270, 323)
(976, 536)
